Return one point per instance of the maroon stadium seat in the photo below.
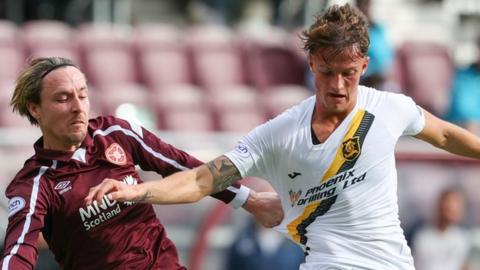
(47, 33)
(129, 102)
(107, 54)
(295, 42)
(181, 108)
(9, 33)
(66, 52)
(6, 91)
(162, 56)
(11, 51)
(164, 67)
(192, 120)
(426, 72)
(49, 38)
(103, 34)
(217, 59)
(279, 98)
(240, 121)
(12, 61)
(110, 66)
(154, 35)
(178, 96)
(7, 117)
(109, 97)
(237, 98)
(274, 63)
(237, 108)
(10, 119)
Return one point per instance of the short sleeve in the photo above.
(415, 119)
(250, 154)
(406, 117)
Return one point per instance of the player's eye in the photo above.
(62, 98)
(326, 72)
(349, 73)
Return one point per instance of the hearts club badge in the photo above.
(115, 154)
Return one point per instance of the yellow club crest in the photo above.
(351, 148)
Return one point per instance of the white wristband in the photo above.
(241, 196)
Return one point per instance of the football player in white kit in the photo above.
(330, 158)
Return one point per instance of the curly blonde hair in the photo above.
(338, 28)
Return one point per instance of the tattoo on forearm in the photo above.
(144, 198)
(224, 173)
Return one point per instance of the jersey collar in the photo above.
(79, 154)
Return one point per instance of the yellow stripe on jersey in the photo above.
(339, 158)
(293, 226)
(357, 131)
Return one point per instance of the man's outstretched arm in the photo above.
(182, 187)
(449, 137)
(188, 187)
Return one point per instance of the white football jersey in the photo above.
(339, 196)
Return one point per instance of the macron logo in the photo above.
(63, 186)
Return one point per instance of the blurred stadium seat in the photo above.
(279, 98)
(111, 96)
(129, 101)
(9, 32)
(107, 54)
(295, 42)
(10, 119)
(11, 51)
(176, 103)
(49, 38)
(234, 98)
(237, 108)
(46, 33)
(153, 35)
(192, 120)
(240, 121)
(66, 52)
(426, 71)
(12, 61)
(162, 56)
(216, 56)
(273, 62)
(178, 97)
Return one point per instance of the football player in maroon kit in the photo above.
(75, 154)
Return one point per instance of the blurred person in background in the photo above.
(380, 52)
(256, 247)
(444, 244)
(331, 158)
(465, 97)
(75, 154)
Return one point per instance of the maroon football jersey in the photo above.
(48, 194)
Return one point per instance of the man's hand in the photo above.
(115, 190)
(265, 207)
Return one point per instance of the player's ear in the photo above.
(34, 110)
(365, 64)
(310, 62)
